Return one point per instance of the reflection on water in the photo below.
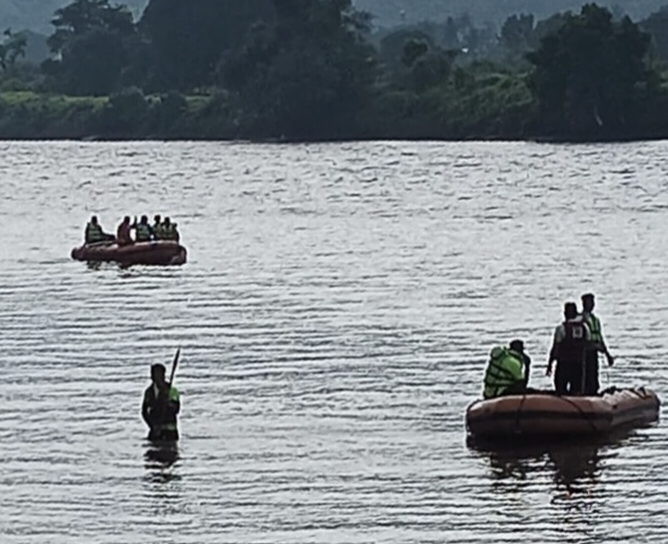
(163, 483)
(575, 466)
(161, 456)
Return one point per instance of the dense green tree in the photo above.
(516, 32)
(13, 47)
(657, 25)
(392, 46)
(307, 75)
(187, 39)
(591, 75)
(91, 44)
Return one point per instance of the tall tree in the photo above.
(307, 75)
(90, 41)
(589, 76)
(657, 25)
(187, 39)
(517, 31)
(13, 47)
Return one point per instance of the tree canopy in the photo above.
(315, 69)
(591, 74)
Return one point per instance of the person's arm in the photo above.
(602, 348)
(554, 351)
(527, 369)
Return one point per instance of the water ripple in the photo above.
(335, 315)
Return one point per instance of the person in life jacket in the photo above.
(507, 371)
(571, 339)
(123, 237)
(94, 233)
(157, 228)
(160, 407)
(596, 346)
(143, 231)
(169, 231)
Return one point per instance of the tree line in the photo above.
(314, 70)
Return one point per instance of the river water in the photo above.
(334, 317)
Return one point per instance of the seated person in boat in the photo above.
(507, 371)
(157, 227)
(123, 237)
(571, 340)
(95, 234)
(169, 231)
(143, 231)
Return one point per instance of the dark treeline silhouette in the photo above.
(314, 70)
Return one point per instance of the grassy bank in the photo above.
(477, 104)
(487, 106)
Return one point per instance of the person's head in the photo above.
(570, 310)
(144, 219)
(167, 221)
(126, 219)
(157, 219)
(93, 220)
(587, 302)
(158, 374)
(517, 345)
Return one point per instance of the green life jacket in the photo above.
(158, 231)
(505, 368)
(94, 234)
(169, 231)
(143, 233)
(594, 325)
(169, 421)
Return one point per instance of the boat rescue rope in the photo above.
(584, 414)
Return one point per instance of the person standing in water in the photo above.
(596, 346)
(160, 407)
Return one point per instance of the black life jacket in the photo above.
(572, 346)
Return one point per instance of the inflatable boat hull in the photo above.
(150, 253)
(544, 414)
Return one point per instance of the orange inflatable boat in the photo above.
(547, 414)
(156, 253)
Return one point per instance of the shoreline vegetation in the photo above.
(313, 70)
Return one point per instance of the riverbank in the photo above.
(490, 107)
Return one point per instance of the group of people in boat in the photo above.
(162, 229)
(575, 348)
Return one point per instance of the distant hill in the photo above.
(36, 15)
(37, 50)
(395, 12)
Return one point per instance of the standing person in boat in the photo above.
(160, 407)
(571, 339)
(507, 371)
(95, 234)
(169, 231)
(123, 237)
(143, 231)
(597, 345)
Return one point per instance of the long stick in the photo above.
(174, 365)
